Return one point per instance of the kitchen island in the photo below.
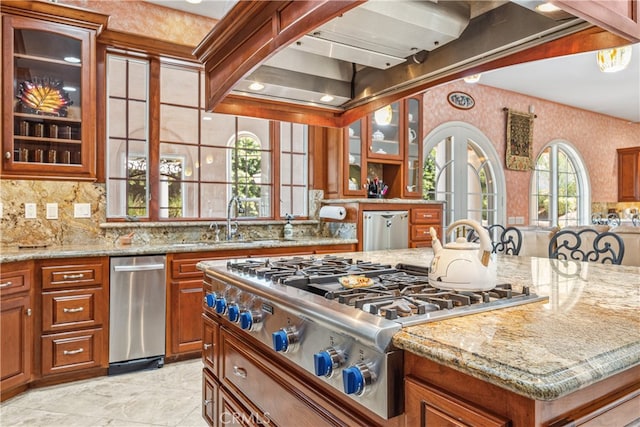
(575, 356)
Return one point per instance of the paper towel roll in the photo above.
(333, 212)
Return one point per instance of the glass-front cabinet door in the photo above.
(385, 132)
(48, 122)
(413, 151)
(355, 156)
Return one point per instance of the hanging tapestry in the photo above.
(519, 140)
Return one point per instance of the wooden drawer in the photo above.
(72, 351)
(186, 268)
(209, 398)
(427, 215)
(13, 282)
(271, 392)
(72, 309)
(210, 344)
(421, 232)
(64, 276)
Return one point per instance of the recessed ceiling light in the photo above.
(547, 8)
(256, 86)
(72, 59)
(475, 78)
(194, 1)
(326, 98)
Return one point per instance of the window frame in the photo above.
(154, 144)
(582, 181)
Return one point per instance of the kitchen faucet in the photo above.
(239, 209)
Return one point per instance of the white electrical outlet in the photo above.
(82, 210)
(519, 220)
(30, 211)
(52, 211)
(511, 220)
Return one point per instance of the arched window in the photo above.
(559, 187)
(245, 172)
(461, 167)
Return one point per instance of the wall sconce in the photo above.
(614, 59)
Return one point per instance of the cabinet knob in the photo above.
(7, 155)
(207, 346)
(28, 312)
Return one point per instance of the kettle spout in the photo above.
(435, 242)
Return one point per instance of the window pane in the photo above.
(213, 200)
(117, 77)
(179, 124)
(117, 121)
(213, 164)
(180, 162)
(137, 119)
(179, 86)
(219, 131)
(285, 137)
(257, 127)
(299, 169)
(285, 169)
(138, 79)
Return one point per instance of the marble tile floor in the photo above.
(169, 396)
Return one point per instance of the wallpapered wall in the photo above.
(595, 136)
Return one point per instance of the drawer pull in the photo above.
(5, 284)
(207, 346)
(73, 276)
(28, 312)
(207, 402)
(427, 216)
(239, 372)
(425, 232)
(70, 352)
(73, 310)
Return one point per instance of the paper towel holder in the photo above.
(336, 213)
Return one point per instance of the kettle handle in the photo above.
(485, 240)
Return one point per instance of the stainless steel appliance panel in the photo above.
(385, 230)
(137, 307)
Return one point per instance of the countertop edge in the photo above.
(546, 388)
(15, 255)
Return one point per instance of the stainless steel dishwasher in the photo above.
(385, 230)
(137, 313)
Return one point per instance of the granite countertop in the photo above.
(72, 251)
(587, 331)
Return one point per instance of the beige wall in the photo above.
(595, 136)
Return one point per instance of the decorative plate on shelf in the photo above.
(44, 96)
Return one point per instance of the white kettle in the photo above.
(462, 265)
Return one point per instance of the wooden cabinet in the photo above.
(74, 318)
(629, 174)
(421, 221)
(16, 327)
(436, 395)
(427, 406)
(49, 92)
(385, 145)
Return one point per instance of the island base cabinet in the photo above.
(209, 398)
(436, 395)
(428, 406)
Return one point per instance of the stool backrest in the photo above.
(587, 244)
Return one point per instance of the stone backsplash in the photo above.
(16, 230)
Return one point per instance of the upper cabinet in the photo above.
(629, 174)
(49, 92)
(383, 149)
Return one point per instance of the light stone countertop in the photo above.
(588, 330)
(74, 251)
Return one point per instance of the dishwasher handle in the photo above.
(143, 267)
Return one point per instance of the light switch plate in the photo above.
(82, 210)
(30, 211)
(52, 211)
